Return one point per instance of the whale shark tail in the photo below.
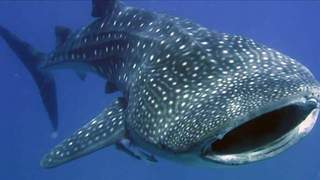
(32, 59)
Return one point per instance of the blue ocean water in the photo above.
(290, 27)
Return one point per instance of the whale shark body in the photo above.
(188, 94)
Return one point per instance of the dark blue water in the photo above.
(290, 27)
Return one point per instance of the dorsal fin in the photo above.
(62, 34)
(110, 88)
(102, 8)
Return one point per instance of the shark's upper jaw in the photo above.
(265, 135)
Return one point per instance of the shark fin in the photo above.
(104, 130)
(31, 60)
(62, 33)
(110, 88)
(102, 8)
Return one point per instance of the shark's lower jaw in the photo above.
(264, 136)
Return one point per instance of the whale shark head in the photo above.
(248, 119)
(261, 114)
(245, 103)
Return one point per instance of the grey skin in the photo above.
(189, 94)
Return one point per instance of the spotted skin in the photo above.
(183, 84)
(104, 130)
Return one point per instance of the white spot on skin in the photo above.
(102, 25)
(225, 52)
(182, 46)
(151, 57)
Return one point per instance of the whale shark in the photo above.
(188, 94)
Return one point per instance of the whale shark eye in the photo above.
(268, 133)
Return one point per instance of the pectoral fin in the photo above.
(104, 130)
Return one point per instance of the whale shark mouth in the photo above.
(264, 136)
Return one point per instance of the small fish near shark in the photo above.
(188, 94)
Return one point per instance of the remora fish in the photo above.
(189, 94)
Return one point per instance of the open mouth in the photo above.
(264, 136)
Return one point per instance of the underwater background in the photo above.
(292, 27)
